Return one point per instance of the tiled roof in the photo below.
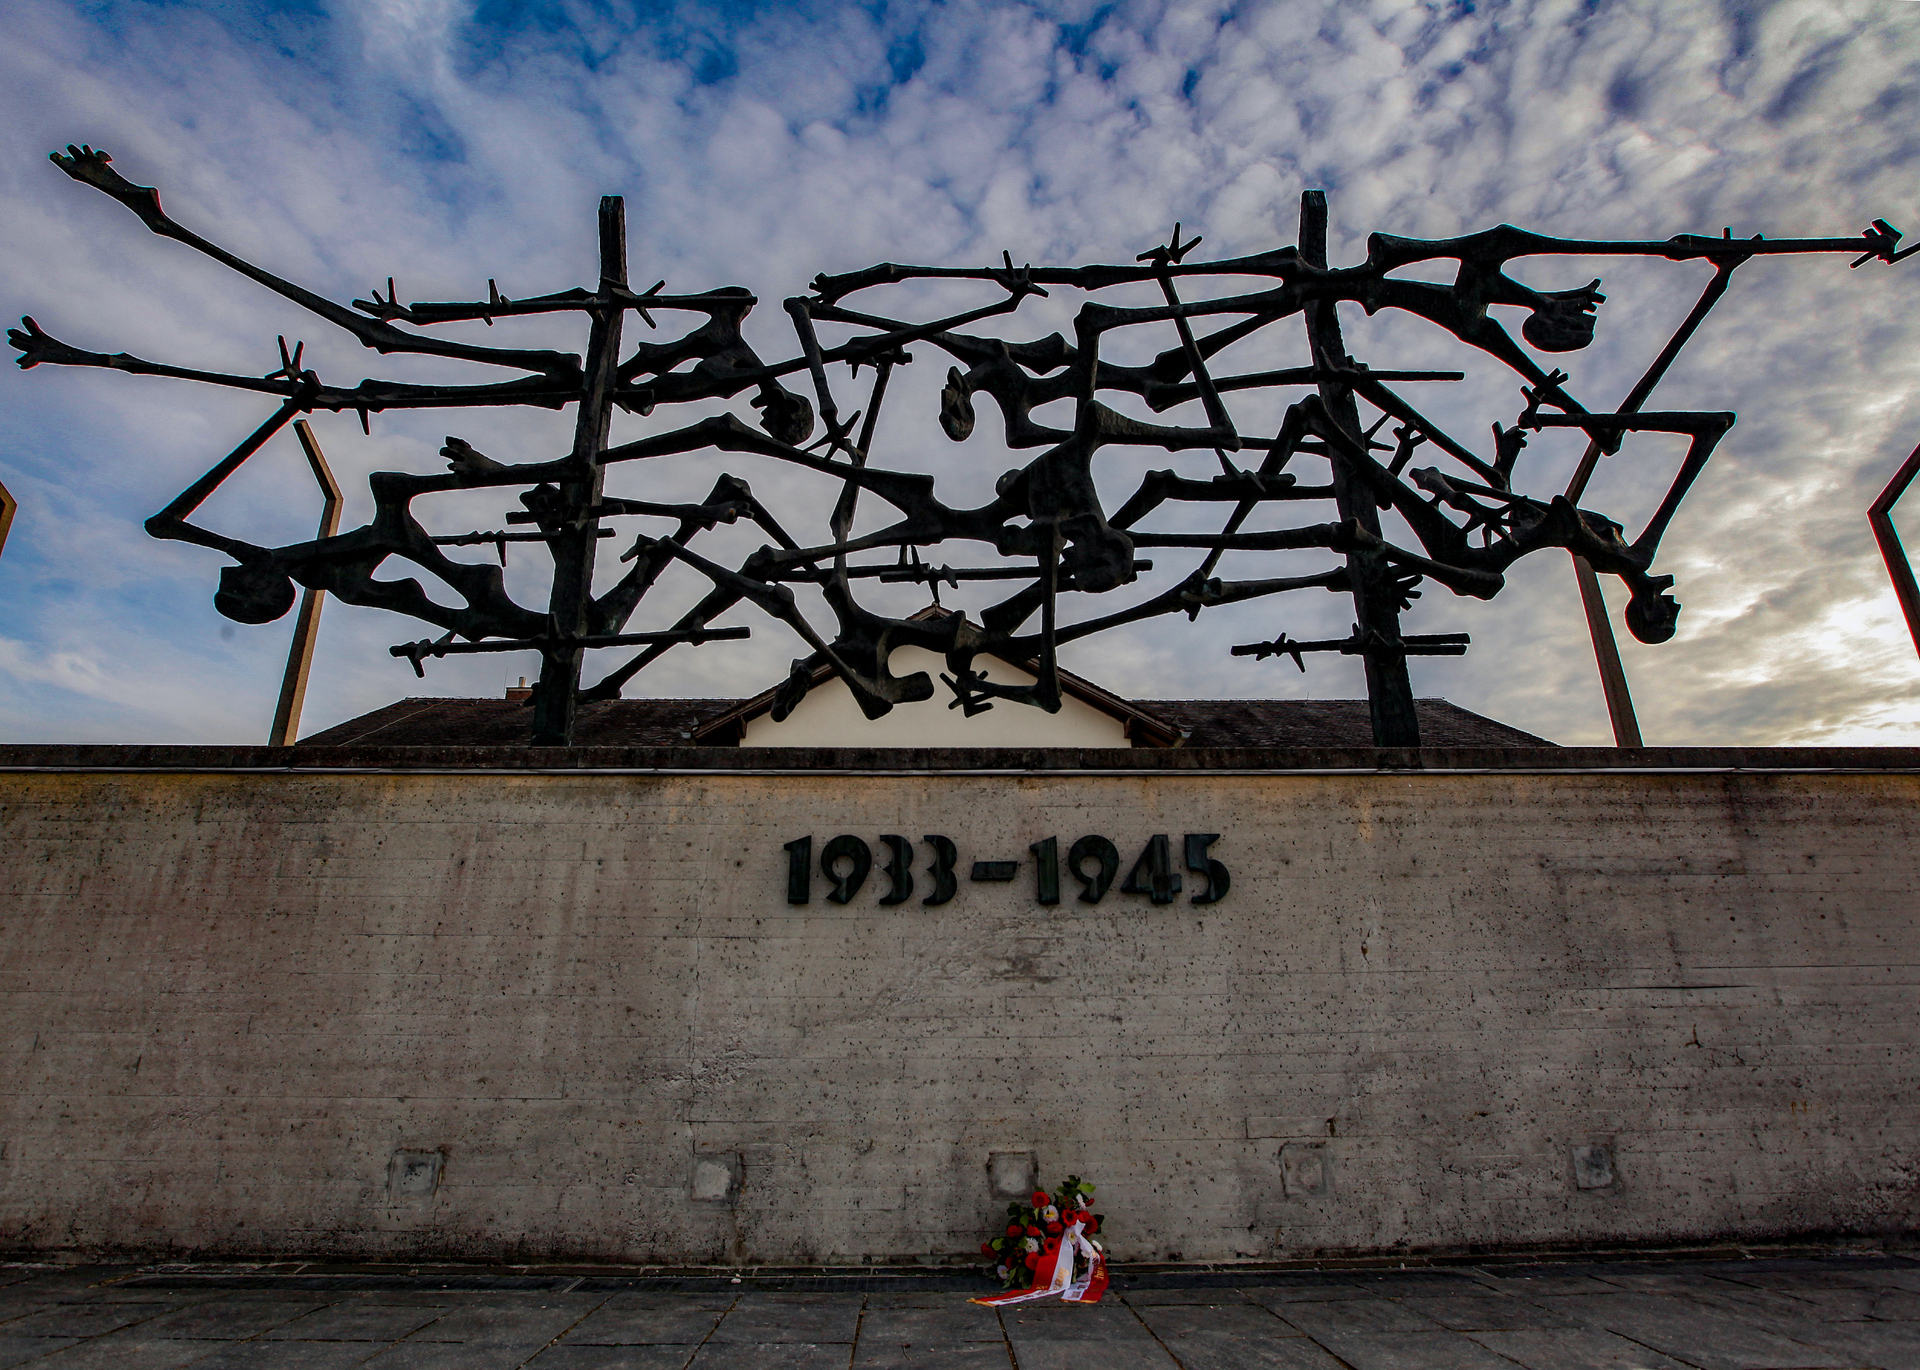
(503, 722)
(673, 723)
(1325, 723)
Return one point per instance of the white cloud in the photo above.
(443, 145)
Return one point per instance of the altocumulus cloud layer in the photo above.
(444, 142)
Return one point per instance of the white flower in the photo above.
(1032, 1244)
(1050, 1214)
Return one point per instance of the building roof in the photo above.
(683, 722)
(1141, 726)
(1325, 723)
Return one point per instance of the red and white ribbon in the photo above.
(1053, 1273)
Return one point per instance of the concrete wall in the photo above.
(247, 1013)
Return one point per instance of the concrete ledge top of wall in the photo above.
(813, 760)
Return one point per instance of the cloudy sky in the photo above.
(443, 142)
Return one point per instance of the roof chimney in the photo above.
(521, 693)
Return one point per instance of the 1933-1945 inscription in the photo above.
(1094, 861)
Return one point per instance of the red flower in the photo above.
(1040, 1199)
(1053, 1243)
(1055, 1228)
(1013, 1229)
(1033, 1231)
(1033, 1259)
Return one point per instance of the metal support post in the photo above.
(1879, 516)
(556, 698)
(306, 628)
(1389, 687)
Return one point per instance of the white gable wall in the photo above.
(828, 717)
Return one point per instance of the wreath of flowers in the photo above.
(1016, 1251)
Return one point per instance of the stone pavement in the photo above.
(1835, 1312)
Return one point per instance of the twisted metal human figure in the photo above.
(1046, 519)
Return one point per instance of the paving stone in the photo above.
(289, 1355)
(671, 1302)
(1689, 1331)
(17, 1304)
(1411, 1283)
(951, 1326)
(14, 1350)
(1668, 1279)
(1836, 1301)
(1583, 1348)
(1052, 1320)
(1171, 1321)
(436, 1299)
(1484, 1311)
(356, 1321)
(1853, 1305)
(1068, 1337)
(1883, 1345)
(126, 1352)
(642, 1326)
(506, 1303)
(97, 1292)
(791, 1320)
(566, 1357)
(490, 1325)
(978, 1355)
(1207, 1350)
(1273, 1295)
(1352, 1316)
(1233, 1337)
(441, 1355)
(1145, 1354)
(1721, 1315)
(1898, 1279)
(84, 1319)
(228, 1319)
(1765, 1310)
(1536, 1281)
(771, 1356)
(1412, 1351)
(1212, 1298)
(1811, 1275)
(921, 1298)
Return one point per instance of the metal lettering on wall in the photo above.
(846, 861)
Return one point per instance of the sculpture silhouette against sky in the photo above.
(1046, 522)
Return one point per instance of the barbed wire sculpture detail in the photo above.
(1046, 521)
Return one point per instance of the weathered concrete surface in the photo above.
(1861, 1312)
(229, 1001)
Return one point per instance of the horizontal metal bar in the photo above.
(416, 650)
(479, 539)
(615, 508)
(1413, 644)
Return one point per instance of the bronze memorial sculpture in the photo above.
(1046, 519)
